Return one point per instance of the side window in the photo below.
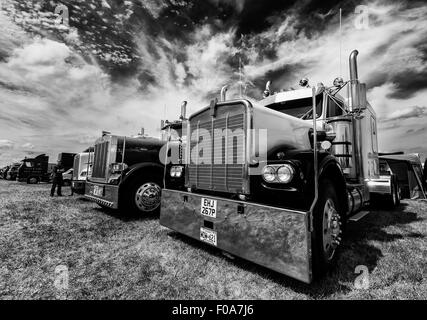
(335, 108)
(374, 135)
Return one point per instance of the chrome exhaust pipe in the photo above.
(353, 65)
(354, 81)
(183, 110)
(224, 92)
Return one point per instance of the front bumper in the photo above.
(276, 238)
(110, 197)
(78, 186)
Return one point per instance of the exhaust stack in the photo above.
(354, 81)
(183, 110)
(224, 93)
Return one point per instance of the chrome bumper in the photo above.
(110, 197)
(276, 238)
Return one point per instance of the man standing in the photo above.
(57, 172)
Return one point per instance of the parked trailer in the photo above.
(127, 173)
(275, 181)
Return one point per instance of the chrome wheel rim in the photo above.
(147, 197)
(331, 229)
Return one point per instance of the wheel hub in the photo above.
(331, 229)
(147, 197)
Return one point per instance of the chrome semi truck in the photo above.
(128, 172)
(81, 168)
(275, 181)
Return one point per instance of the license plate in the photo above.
(98, 191)
(208, 207)
(208, 236)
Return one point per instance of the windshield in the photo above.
(300, 108)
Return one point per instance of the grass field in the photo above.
(111, 257)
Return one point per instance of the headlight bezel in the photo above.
(274, 170)
(176, 171)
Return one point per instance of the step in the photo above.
(358, 216)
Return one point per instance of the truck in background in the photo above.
(81, 168)
(128, 173)
(34, 170)
(3, 172)
(275, 181)
(12, 173)
(67, 160)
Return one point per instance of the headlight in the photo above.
(176, 171)
(285, 173)
(269, 174)
(117, 167)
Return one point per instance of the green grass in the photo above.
(111, 257)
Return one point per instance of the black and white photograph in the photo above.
(223, 151)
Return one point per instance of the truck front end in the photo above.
(228, 204)
(107, 167)
(81, 168)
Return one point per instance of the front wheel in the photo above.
(143, 196)
(328, 223)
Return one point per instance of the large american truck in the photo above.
(128, 172)
(34, 170)
(275, 181)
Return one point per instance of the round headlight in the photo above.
(269, 174)
(178, 171)
(285, 173)
(173, 172)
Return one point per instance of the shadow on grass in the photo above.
(126, 216)
(356, 250)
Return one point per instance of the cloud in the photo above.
(407, 113)
(6, 144)
(62, 90)
(28, 146)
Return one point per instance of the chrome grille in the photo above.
(99, 169)
(225, 157)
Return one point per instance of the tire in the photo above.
(393, 200)
(328, 224)
(32, 180)
(142, 196)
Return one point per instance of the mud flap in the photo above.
(276, 238)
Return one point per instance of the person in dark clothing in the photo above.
(57, 172)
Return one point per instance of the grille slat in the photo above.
(216, 173)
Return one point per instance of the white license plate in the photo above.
(98, 191)
(208, 207)
(208, 236)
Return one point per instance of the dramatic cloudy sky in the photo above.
(119, 65)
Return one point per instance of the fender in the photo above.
(329, 166)
(141, 167)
